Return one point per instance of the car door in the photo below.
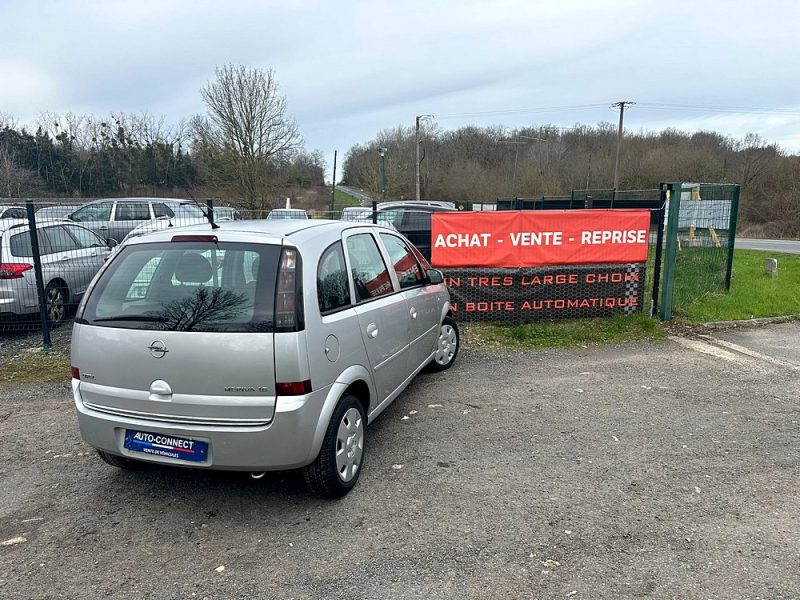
(382, 312)
(423, 302)
(92, 253)
(63, 260)
(127, 215)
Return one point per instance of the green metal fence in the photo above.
(700, 235)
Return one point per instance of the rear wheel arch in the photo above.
(355, 380)
(360, 390)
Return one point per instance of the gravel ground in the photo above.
(644, 470)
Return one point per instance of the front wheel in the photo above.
(336, 469)
(446, 346)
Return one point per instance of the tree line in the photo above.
(245, 148)
(481, 164)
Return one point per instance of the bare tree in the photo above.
(15, 181)
(247, 127)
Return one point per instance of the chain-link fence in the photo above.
(49, 251)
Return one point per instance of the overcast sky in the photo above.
(349, 69)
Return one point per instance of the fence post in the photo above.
(732, 235)
(659, 247)
(210, 209)
(374, 212)
(37, 269)
(671, 250)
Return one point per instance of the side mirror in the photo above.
(435, 276)
(111, 243)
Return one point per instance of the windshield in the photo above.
(187, 286)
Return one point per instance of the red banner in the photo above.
(539, 238)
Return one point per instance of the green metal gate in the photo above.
(699, 240)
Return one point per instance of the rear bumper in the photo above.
(285, 443)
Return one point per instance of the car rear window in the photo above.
(187, 286)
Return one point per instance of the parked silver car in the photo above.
(257, 346)
(116, 217)
(71, 255)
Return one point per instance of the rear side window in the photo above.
(21, 244)
(370, 276)
(333, 288)
(132, 211)
(187, 286)
(405, 265)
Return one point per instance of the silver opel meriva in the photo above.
(255, 346)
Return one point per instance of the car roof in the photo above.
(22, 224)
(140, 199)
(299, 230)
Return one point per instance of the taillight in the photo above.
(295, 388)
(285, 293)
(13, 270)
(76, 373)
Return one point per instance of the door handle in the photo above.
(413, 313)
(372, 330)
(103, 227)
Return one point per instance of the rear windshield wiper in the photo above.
(149, 318)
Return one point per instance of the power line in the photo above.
(792, 112)
(514, 111)
(720, 109)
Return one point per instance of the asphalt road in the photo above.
(788, 246)
(663, 470)
(366, 199)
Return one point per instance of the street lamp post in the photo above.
(383, 173)
(419, 117)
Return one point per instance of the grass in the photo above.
(36, 366)
(342, 199)
(565, 334)
(753, 293)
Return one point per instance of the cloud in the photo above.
(24, 83)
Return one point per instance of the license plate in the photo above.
(162, 444)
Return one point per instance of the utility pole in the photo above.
(621, 105)
(333, 186)
(419, 117)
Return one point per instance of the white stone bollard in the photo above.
(771, 267)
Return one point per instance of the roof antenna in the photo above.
(208, 213)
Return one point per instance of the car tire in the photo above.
(55, 298)
(336, 470)
(120, 462)
(446, 346)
